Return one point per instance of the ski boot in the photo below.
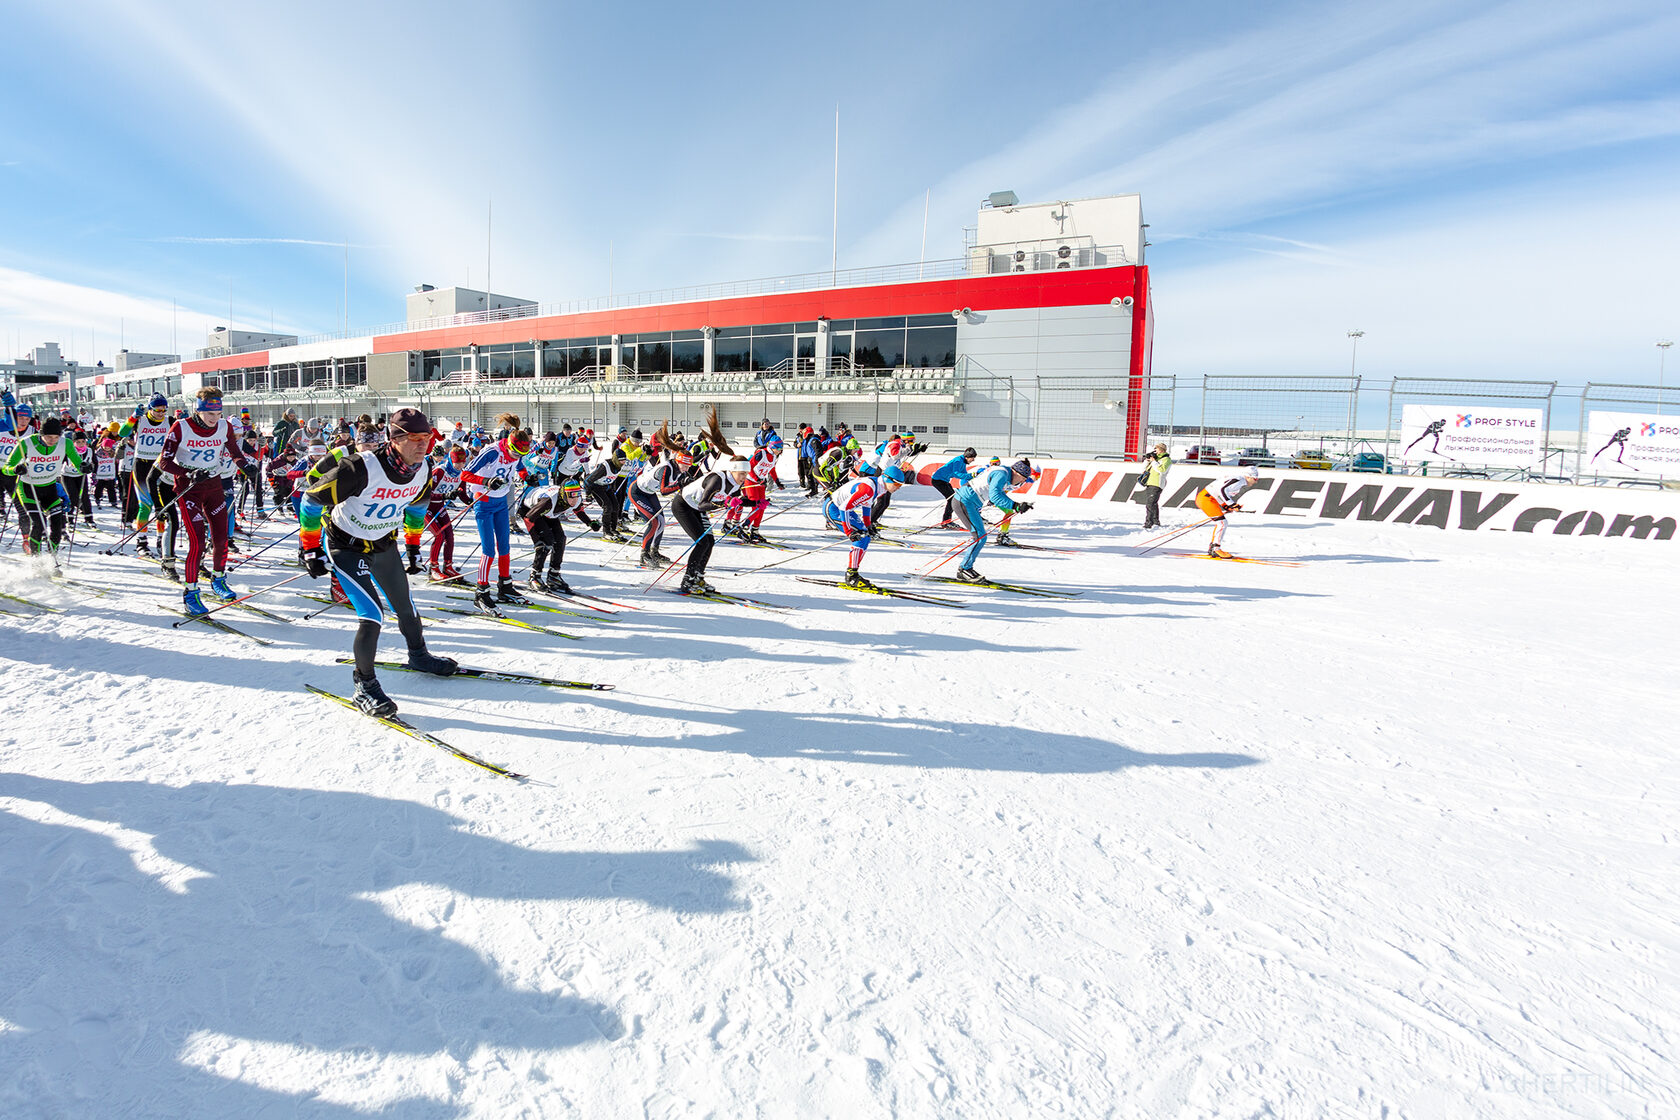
(424, 660)
(556, 584)
(1003, 539)
(969, 575)
(450, 571)
(660, 558)
(1218, 553)
(370, 697)
(233, 546)
(192, 603)
(220, 589)
(648, 561)
(484, 601)
(857, 582)
(694, 583)
(535, 583)
(752, 536)
(167, 564)
(142, 548)
(507, 592)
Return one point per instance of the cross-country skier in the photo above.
(490, 477)
(746, 514)
(542, 508)
(1619, 442)
(446, 485)
(655, 483)
(690, 506)
(192, 454)
(37, 461)
(1220, 499)
(990, 486)
(149, 427)
(951, 474)
(1436, 427)
(851, 507)
(372, 494)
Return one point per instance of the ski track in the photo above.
(1391, 834)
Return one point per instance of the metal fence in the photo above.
(1320, 422)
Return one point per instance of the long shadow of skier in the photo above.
(254, 921)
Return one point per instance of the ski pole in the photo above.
(678, 560)
(157, 517)
(1157, 542)
(793, 505)
(236, 602)
(795, 556)
(263, 549)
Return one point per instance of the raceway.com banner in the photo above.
(1631, 441)
(1494, 437)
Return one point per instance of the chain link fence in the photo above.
(1330, 423)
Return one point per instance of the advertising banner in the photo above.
(1493, 437)
(1632, 441)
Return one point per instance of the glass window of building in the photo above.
(878, 349)
(732, 350)
(688, 355)
(772, 350)
(932, 347)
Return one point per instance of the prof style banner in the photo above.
(1632, 441)
(1494, 437)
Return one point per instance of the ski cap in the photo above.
(571, 487)
(410, 421)
(51, 426)
(1023, 468)
(1251, 472)
(24, 410)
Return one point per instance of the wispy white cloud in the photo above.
(770, 238)
(37, 309)
(256, 241)
(1320, 107)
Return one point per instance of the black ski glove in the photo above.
(315, 562)
(1022, 507)
(413, 560)
(594, 526)
(495, 485)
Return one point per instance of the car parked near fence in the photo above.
(1369, 462)
(1256, 457)
(1204, 453)
(1311, 461)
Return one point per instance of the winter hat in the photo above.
(51, 426)
(410, 421)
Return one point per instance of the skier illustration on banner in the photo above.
(1436, 427)
(1619, 441)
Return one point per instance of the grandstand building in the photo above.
(1044, 321)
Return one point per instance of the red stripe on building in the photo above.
(256, 359)
(1137, 380)
(1074, 288)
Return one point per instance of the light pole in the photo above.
(1353, 366)
(1662, 362)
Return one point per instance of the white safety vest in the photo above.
(149, 437)
(198, 451)
(379, 508)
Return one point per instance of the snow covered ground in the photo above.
(1392, 833)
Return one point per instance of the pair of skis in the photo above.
(398, 724)
(888, 592)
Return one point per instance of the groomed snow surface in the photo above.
(1389, 834)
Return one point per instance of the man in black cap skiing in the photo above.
(372, 494)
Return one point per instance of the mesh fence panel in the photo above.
(1445, 391)
(1276, 420)
(1592, 463)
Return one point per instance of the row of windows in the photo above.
(916, 341)
(296, 375)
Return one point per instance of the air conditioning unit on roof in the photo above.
(1023, 260)
(1066, 256)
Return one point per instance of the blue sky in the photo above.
(1485, 189)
